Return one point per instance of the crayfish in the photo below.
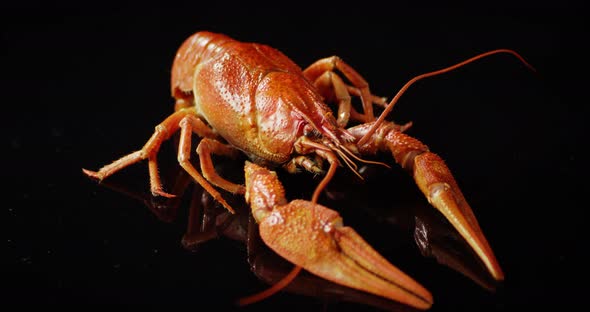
(250, 98)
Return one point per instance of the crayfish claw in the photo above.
(313, 237)
(437, 183)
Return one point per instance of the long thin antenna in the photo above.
(403, 89)
(272, 290)
(372, 162)
(325, 180)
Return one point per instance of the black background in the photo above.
(86, 83)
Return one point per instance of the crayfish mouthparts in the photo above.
(313, 237)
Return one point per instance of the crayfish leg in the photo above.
(187, 121)
(187, 126)
(329, 64)
(162, 132)
(205, 149)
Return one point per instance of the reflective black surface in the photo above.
(85, 85)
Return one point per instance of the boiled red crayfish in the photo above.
(250, 98)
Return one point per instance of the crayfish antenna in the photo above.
(366, 161)
(405, 87)
(349, 163)
(272, 290)
(325, 181)
(344, 154)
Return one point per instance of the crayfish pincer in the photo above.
(314, 237)
(249, 98)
